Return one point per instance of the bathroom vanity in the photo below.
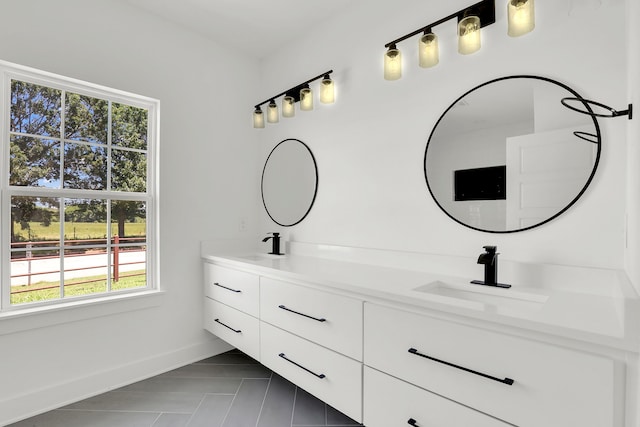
(394, 338)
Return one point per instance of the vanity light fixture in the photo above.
(301, 93)
(327, 90)
(306, 98)
(469, 35)
(258, 118)
(272, 112)
(470, 20)
(521, 17)
(428, 50)
(288, 106)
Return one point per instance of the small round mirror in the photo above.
(508, 156)
(289, 182)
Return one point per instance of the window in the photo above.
(78, 199)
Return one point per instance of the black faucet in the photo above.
(490, 261)
(275, 243)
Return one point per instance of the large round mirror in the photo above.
(508, 156)
(289, 182)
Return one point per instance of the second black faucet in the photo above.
(275, 243)
(490, 260)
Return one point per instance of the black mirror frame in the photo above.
(571, 203)
(315, 192)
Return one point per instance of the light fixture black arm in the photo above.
(485, 9)
(296, 89)
(587, 103)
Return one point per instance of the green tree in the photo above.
(34, 156)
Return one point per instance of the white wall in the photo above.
(370, 144)
(633, 143)
(207, 161)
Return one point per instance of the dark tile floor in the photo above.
(228, 390)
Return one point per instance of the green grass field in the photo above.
(35, 293)
(76, 230)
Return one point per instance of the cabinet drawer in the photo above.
(235, 327)
(232, 287)
(328, 319)
(391, 402)
(331, 377)
(552, 386)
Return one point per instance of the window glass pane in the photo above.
(129, 267)
(85, 271)
(128, 171)
(86, 118)
(129, 221)
(35, 220)
(35, 109)
(85, 222)
(129, 126)
(85, 166)
(34, 162)
(35, 276)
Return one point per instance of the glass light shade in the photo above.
(392, 63)
(306, 99)
(327, 91)
(272, 112)
(522, 19)
(288, 106)
(428, 51)
(469, 35)
(258, 119)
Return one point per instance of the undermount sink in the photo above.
(259, 257)
(500, 300)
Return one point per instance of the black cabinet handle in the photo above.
(507, 381)
(413, 422)
(321, 376)
(237, 331)
(302, 314)
(224, 287)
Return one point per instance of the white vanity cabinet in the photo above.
(389, 402)
(231, 307)
(521, 381)
(314, 339)
(329, 319)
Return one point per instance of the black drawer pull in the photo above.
(413, 422)
(224, 287)
(507, 381)
(301, 367)
(237, 331)
(302, 314)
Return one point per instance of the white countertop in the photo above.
(608, 318)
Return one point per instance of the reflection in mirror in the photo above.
(508, 156)
(289, 182)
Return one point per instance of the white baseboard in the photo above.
(57, 395)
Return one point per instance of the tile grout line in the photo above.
(224, 420)
(157, 418)
(264, 399)
(196, 410)
(293, 408)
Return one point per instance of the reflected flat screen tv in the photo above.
(489, 183)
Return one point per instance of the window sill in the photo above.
(74, 311)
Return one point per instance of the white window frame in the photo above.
(9, 72)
